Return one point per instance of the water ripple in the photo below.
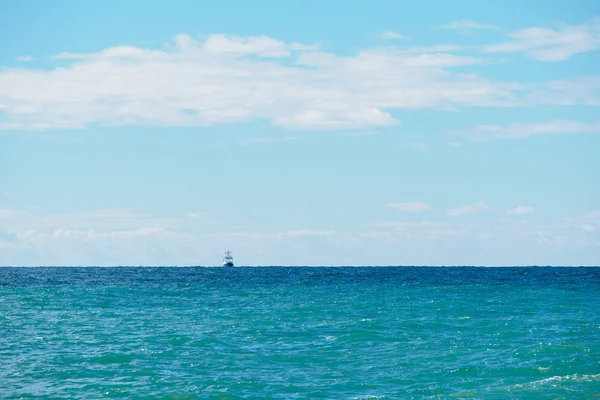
(344, 333)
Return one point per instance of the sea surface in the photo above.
(300, 333)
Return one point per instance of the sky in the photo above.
(300, 133)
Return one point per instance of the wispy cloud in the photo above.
(520, 210)
(474, 208)
(581, 91)
(391, 35)
(417, 146)
(421, 229)
(307, 232)
(595, 215)
(124, 237)
(545, 44)
(439, 48)
(262, 46)
(362, 133)
(466, 26)
(409, 225)
(526, 130)
(117, 234)
(195, 215)
(24, 58)
(411, 206)
(274, 140)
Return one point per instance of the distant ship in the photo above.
(228, 260)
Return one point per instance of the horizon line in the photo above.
(304, 266)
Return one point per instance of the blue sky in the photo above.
(316, 133)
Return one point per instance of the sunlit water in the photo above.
(299, 333)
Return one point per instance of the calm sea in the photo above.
(299, 333)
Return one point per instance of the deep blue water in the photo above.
(299, 333)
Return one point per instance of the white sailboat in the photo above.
(227, 259)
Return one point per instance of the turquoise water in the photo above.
(299, 333)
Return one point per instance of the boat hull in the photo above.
(228, 264)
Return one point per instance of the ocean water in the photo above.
(299, 333)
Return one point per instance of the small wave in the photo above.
(556, 379)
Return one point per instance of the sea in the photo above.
(300, 333)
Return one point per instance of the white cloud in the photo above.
(274, 140)
(545, 44)
(195, 215)
(408, 225)
(440, 48)
(308, 232)
(417, 146)
(259, 235)
(584, 91)
(413, 206)
(474, 208)
(589, 222)
(423, 229)
(117, 234)
(303, 47)
(117, 53)
(262, 46)
(466, 25)
(525, 130)
(520, 210)
(122, 237)
(542, 237)
(226, 79)
(391, 35)
(360, 117)
(593, 215)
(102, 221)
(362, 133)
(24, 58)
